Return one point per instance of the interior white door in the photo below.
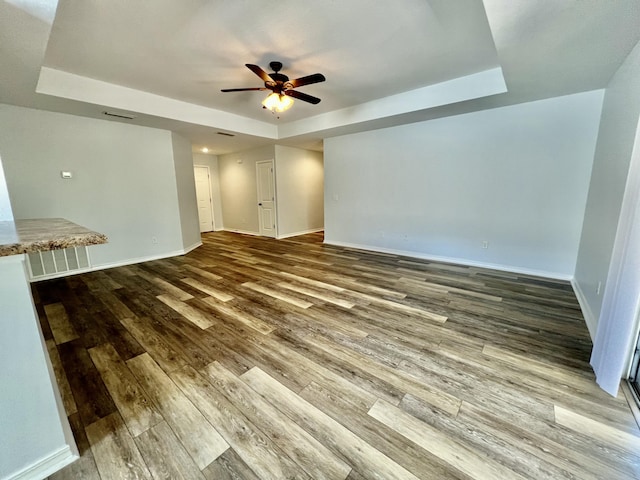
(203, 194)
(266, 198)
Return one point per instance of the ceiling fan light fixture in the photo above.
(277, 102)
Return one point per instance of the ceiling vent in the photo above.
(226, 134)
(126, 116)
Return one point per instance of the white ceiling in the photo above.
(386, 63)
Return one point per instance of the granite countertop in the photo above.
(41, 234)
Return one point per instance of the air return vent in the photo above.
(225, 134)
(126, 116)
(58, 263)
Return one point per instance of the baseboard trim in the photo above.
(133, 261)
(457, 261)
(243, 232)
(46, 466)
(295, 234)
(192, 247)
(589, 318)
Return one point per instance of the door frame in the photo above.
(213, 216)
(272, 163)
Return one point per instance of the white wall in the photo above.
(33, 436)
(186, 189)
(34, 433)
(300, 188)
(238, 188)
(211, 161)
(124, 180)
(6, 214)
(620, 113)
(516, 177)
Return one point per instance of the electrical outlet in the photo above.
(485, 244)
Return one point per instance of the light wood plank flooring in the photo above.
(252, 358)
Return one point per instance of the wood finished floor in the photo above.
(251, 358)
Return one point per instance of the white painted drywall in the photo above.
(238, 188)
(123, 185)
(32, 433)
(300, 190)
(620, 113)
(617, 330)
(516, 177)
(6, 214)
(33, 437)
(211, 161)
(186, 188)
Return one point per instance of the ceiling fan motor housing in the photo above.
(280, 83)
(279, 80)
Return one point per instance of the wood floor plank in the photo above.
(68, 401)
(530, 463)
(352, 414)
(568, 452)
(319, 373)
(494, 365)
(202, 272)
(253, 446)
(114, 450)
(593, 428)
(158, 346)
(542, 369)
(200, 439)
(301, 447)
(135, 408)
(238, 314)
(85, 466)
(366, 459)
(209, 290)
(229, 466)
(91, 396)
(61, 327)
(165, 456)
(404, 381)
(459, 455)
(401, 307)
(115, 306)
(195, 316)
(348, 282)
(547, 390)
(278, 295)
(316, 294)
(163, 285)
(313, 283)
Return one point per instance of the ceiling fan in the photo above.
(282, 88)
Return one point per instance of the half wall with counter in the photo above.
(36, 440)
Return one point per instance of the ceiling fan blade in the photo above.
(315, 78)
(260, 72)
(242, 89)
(302, 96)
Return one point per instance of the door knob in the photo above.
(260, 204)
